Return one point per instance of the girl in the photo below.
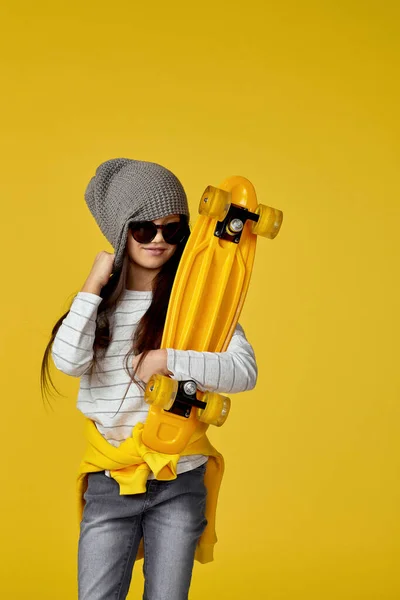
(110, 338)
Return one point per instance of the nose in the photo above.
(159, 236)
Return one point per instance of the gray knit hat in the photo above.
(125, 190)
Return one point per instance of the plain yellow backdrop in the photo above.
(302, 98)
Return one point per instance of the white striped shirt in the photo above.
(100, 394)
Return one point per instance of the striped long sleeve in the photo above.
(72, 349)
(234, 370)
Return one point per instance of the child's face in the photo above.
(140, 253)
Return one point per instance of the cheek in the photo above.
(132, 248)
(172, 251)
(168, 254)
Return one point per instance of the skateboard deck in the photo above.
(206, 300)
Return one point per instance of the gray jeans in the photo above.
(169, 516)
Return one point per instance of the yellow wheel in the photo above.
(161, 391)
(269, 223)
(216, 411)
(215, 203)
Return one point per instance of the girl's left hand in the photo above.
(155, 362)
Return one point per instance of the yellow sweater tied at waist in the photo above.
(132, 462)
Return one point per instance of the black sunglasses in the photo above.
(145, 231)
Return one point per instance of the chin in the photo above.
(153, 261)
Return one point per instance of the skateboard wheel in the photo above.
(161, 391)
(216, 411)
(214, 203)
(269, 223)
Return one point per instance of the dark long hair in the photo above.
(148, 333)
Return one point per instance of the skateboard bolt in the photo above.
(205, 199)
(235, 225)
(151, 388)
(190, 388)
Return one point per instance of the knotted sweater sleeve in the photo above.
(72, 349)
(234, 370)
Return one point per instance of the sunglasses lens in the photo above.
(173, 233)
(143, 232)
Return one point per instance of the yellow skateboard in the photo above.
(206, 300)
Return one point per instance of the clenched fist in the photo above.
(155, 362)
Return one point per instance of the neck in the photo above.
(139, 278)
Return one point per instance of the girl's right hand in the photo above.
(100, 272)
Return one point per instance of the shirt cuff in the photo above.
(171, 360)
(93, 298)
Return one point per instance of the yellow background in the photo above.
(303, 99)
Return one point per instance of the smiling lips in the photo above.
(155, 251)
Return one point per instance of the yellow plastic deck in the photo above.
(206, 300)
